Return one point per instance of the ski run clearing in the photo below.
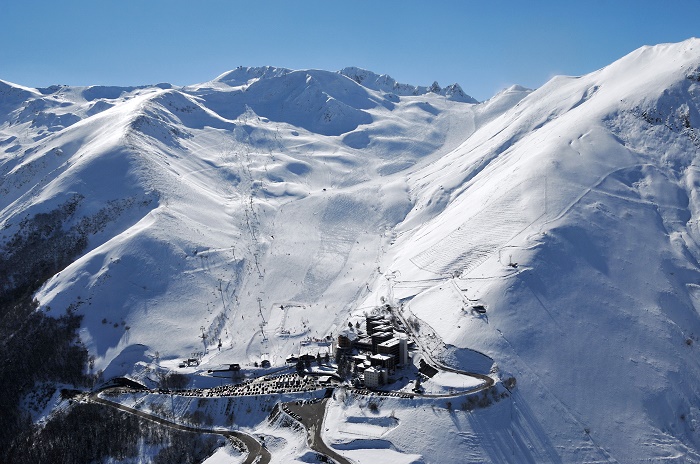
(547, 236)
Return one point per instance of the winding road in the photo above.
(312, 416)
(488, 382)
(257, 454)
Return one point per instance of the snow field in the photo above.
(239, 195)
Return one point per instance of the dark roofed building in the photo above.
(378, 338)
(390, 347)
(383, 360)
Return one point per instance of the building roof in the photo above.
(352, 335)
(382, 357)
(374, 369)
(391, 342)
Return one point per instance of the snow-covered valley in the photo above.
(548, 236)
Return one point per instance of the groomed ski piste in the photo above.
(548, 236)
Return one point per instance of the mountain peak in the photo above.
(387, 84)
(368, 79)
(7, 88)
(243, 75)
(548, 235)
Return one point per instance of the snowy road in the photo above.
(256, 452)
(488, 382)
(312, 416)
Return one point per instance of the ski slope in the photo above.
(263, 210)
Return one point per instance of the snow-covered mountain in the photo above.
(192, 215)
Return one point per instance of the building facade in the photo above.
(375, 377)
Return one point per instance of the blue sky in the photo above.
(484, 46)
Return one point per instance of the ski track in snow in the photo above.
(332, 193)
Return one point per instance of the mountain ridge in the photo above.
(569, 213)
